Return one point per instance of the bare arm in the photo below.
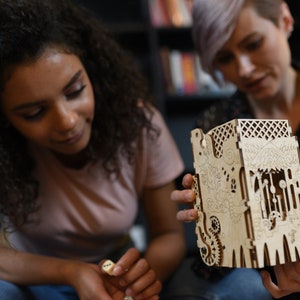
(30, 269)
(25, 268)
(87, 279)
(167, 245)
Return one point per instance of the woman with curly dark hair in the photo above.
(80, 145)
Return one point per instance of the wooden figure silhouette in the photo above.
(247, 193)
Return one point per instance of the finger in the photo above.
(274, 290)
(187, 181)
(107, 267)
(153, 298)
(287, 276)
(183, 197)
(140, 279)
(139, 276)
(288, 271)
(126, 262)
(187, 215)
(151, 292)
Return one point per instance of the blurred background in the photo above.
(157, 33)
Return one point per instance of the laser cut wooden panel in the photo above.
(247, 193)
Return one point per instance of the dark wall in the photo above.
(112, 11)
(295, 37)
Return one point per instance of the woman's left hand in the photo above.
(288, 280)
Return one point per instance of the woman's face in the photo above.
(256, 58)
(51, 102)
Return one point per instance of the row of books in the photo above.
(166, 13)
(184, 75)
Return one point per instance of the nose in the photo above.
(65, 118)
(245, 66)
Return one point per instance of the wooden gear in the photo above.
(247, 193)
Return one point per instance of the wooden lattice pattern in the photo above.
(247, 193)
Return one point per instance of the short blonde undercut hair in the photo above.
(214, 21)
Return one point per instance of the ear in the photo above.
(286, 20)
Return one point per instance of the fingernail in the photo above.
(117, 270)
(128, 292)
(188, 195)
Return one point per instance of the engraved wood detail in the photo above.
(247, 193)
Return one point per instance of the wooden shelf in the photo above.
(185, 104)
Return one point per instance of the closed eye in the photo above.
(35, 114)
(254, 45)
(74, 94)
(223, 59)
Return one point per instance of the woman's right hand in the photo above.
(132, 276)
(186, 196)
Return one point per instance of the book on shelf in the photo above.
(174, 13)
(156, 16)
(185, 11)
(190, 84)
(165, 13)
(184, 75)
(176, 72)
(159, 14)
(164, 54)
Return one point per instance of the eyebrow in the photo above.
(247, 38)
(33, 104)
(73, 79)
(242, 42)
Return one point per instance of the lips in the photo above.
(256, 84)
(73, 139)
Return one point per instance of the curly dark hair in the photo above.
(27, 28)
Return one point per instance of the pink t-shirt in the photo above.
(83, 214)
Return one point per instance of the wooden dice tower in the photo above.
(247, 193)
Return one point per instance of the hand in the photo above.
(186, 196)
(90, 283)
(288, 280)
(132, 276)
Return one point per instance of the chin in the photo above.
(264, 95)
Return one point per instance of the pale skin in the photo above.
(256, 58)
(50, 101)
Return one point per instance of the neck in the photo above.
(284, 105)
(75, 161)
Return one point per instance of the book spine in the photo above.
(165, 64)
(158, 13)
(174, 13)
(166, 21)
(176, 71)
(185, 12)
(190, 85)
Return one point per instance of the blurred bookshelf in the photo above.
(157, 33)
